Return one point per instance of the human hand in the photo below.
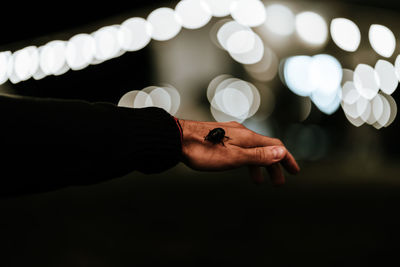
(243, 148)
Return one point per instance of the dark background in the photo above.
(341, 210)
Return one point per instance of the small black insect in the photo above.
(216, 136)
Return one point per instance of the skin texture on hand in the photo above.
(243, 148)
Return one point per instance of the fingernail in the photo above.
(279, 152)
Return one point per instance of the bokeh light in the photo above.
(252, 56)
(382, 40)
(193, 14)
(248, 12)
(280, 19)
(165, 97)
(242, 44)
(232, 99)
(4, 62)
(219, 8)
(325, 73)
(349, 93)
(366, 81)
(53, 58)
(80, 51)
(165, 24)
(393, 109)
(266, 69)
(311, 28)
(364, 94)
(380, 111)
(397, 67)
(26, 62)
(107, 44)
(387, 76)
(225, 30)
(296, 75)
(134, 34)
(160, 97)
(318, 77)
(346, 34)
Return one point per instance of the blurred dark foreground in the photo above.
(319, 218)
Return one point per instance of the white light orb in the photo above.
(393, 109)
(266, 69)
(241, 42)
(248, 12)
(245, 89)
(256, 103)
(219, 8)
(355, 121)
(381, 110)
(346, 34)
(107, 44)
(165, 24)
(53, 57)
(350, 110)
(214, 83)
(366, 81)
(39, 74)
(4, 63)
(382, 40)
(217, 100)
(311, 28)
(159, 97)
(363, 107)
(134, 34)
(142, 100)
(280, 19)
(128, 99)
(397, 67)
(325, 73)
(387, 76)
(235, 102)
(12, 77)
(349, 93)
(377, 107)
(80, 51)
(296, 75)
(193, 14)
(227, 30)
(26, 62)
(252, 56)
(221, 116)
(365, 115)
(327, 104)
(175, 98)
(323, 99)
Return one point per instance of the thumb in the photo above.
(264, 156)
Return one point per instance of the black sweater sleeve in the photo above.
(53, 143)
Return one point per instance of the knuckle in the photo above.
(277, 142)
(259, 154)
(236, 124)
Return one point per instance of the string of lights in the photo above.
(364, 94)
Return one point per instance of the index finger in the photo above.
(289, 162)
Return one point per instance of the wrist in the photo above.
(191, 130)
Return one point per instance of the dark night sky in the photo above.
(35, 16)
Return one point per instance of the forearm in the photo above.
(52, 143)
